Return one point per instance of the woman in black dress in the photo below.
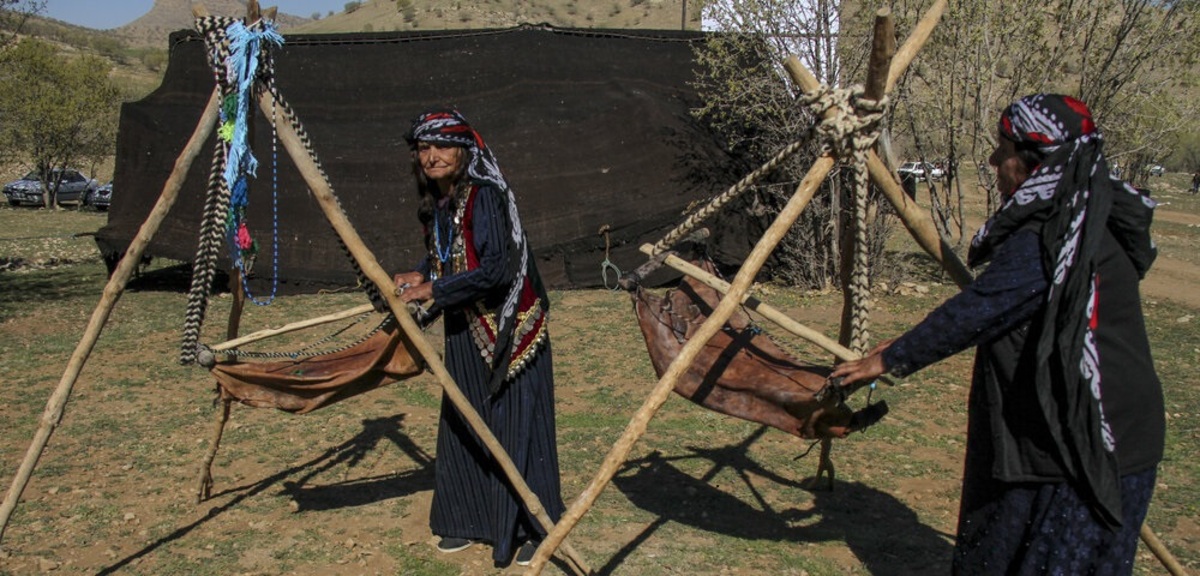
(1065, 416)
(480, 276)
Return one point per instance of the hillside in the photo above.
(396, 15)
(166, 16)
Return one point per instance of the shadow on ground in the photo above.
(881, 531)
(294, 481)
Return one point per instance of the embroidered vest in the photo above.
(529, 329)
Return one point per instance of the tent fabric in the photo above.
(309, 383)
(593, 128)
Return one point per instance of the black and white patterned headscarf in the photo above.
(448, 127)
(1071, 198)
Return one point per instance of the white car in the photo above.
(919, 170)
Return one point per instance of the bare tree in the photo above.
(1132, 61)
(753, 106)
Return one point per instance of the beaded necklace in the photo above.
(448, 246)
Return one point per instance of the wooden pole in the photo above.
(112, 292)
(914, 219)
(917, 221)
(204, 480)
(769, 312)
(916, 40)
(294, 326)
(370, 267)
(883, 49)
(1160, 551)
(637, 425)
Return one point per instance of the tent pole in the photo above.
(292, 327)
(204, 482)
(637, 425)
(323, 193)
(112, 292)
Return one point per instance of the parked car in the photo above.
(1157, 170)
(919, 170)
(73, 187)
(99, 198)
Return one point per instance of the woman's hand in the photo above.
(418, 293)
(412, 286)
(868, 367)
(408, 278)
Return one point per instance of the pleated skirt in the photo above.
(472, 498)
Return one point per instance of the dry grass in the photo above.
(346, 490)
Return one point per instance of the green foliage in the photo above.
(58, 111)
(14, 14)
(352, 7)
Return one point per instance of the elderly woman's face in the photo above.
(1011, 170)
(439, 161)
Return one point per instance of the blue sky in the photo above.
(105, 14)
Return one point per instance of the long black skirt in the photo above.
(1046, 528)
(472, 498)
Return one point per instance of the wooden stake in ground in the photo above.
(112, 292)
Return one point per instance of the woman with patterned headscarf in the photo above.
(1065, 416)
(480, 276)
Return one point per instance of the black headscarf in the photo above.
(1071, 198)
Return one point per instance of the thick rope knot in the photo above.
(853, 126)
(849, 127)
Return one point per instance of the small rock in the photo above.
(46, 565)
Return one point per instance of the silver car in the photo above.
(918, 170)
(100, 198)
(73, 187)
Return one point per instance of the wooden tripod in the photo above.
(323, 193)
(886, 66)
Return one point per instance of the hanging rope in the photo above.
(231, 79)
(204, 268)
(310, 350)
(849, 129)
(717, 202)
(249, 63)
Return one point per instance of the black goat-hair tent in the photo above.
(592, 128)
